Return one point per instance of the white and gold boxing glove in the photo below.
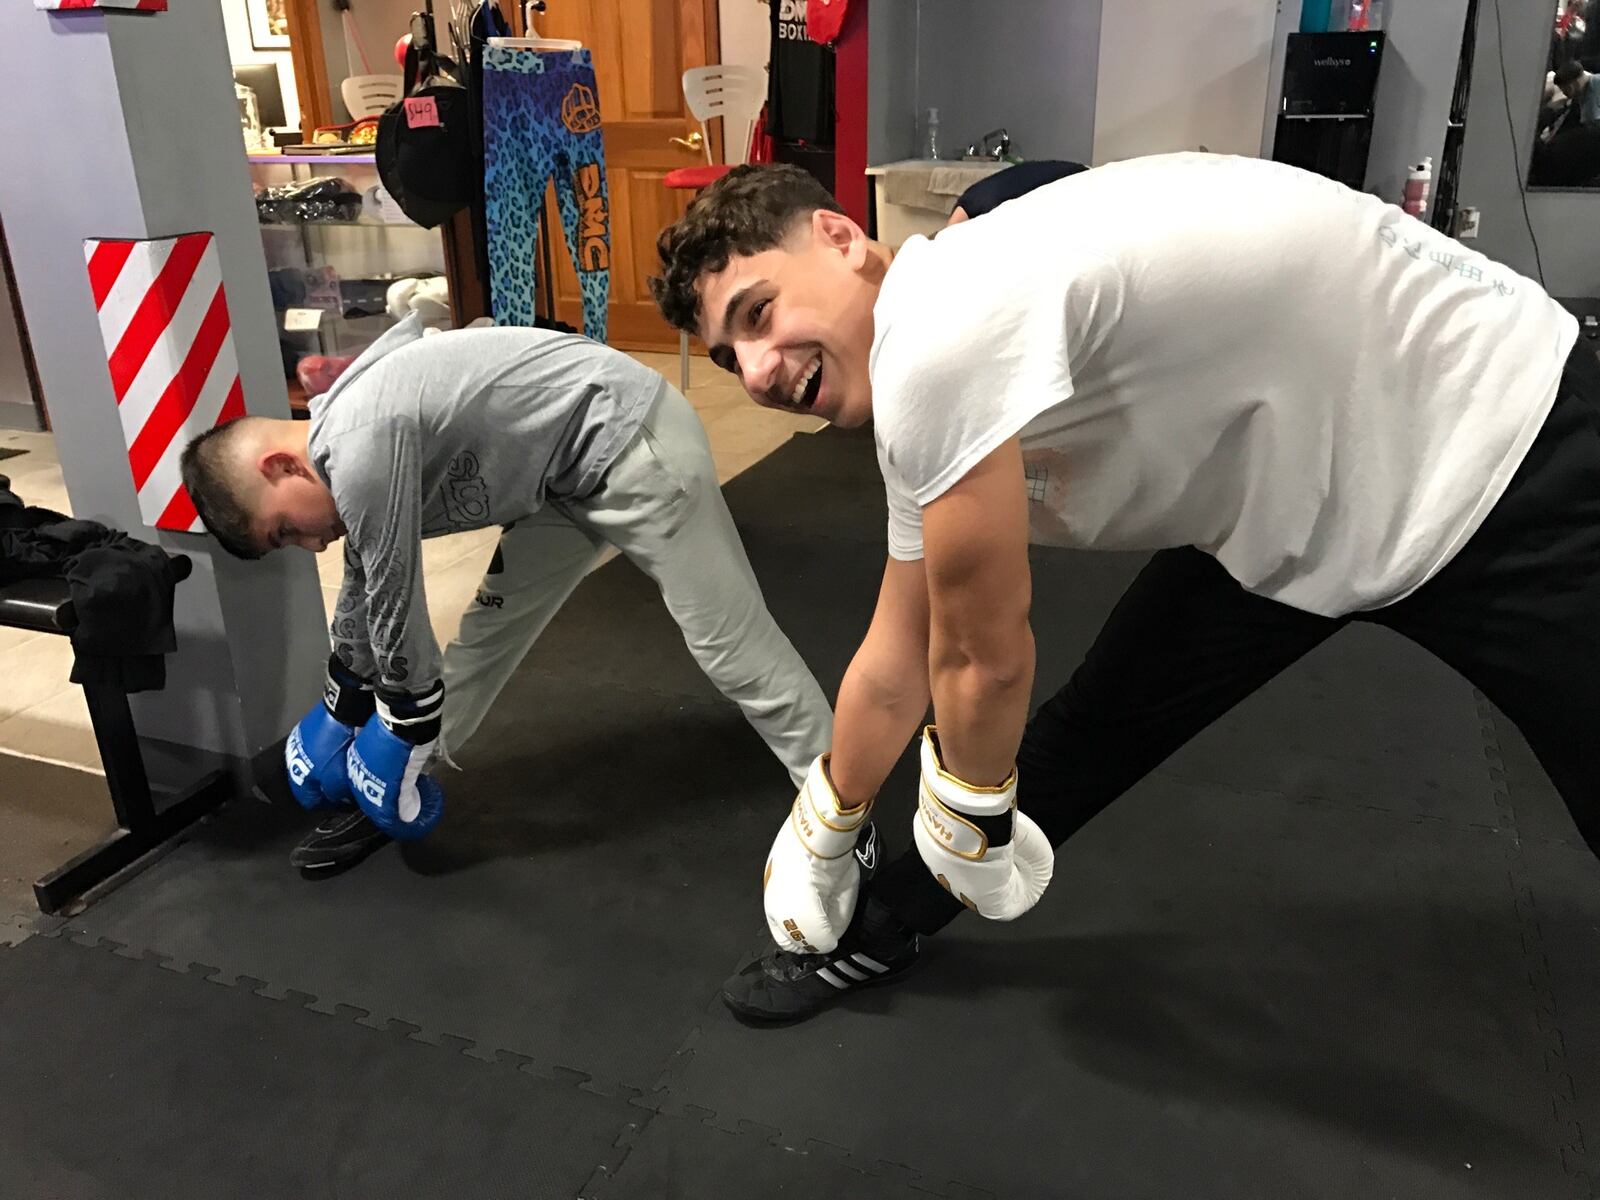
(984, 852)
(812, 876)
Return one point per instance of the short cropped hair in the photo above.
(1568, 72)
(210, 467)
(748, 210)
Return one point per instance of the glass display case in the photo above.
(343, 261)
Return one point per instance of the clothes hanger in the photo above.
(533, 41)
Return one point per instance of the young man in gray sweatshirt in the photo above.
(565, 444)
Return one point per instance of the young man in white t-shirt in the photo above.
(1314, 407)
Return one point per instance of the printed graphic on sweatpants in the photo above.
(542, 122)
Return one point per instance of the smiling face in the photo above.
(794, 323)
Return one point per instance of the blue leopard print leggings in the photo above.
(541, 118)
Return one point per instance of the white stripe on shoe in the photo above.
(849, 973)
(825, 973)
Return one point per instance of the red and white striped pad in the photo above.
(169, 345)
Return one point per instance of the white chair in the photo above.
(730, 91)
(735, 93)
(370, 95)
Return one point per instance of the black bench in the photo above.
(45, 605)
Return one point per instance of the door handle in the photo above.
(693, 142)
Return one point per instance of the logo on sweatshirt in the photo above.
(465, 494)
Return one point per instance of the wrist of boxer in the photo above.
(349, 699)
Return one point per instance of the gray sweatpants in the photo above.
(661, 506)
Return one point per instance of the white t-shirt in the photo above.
(1324, 393)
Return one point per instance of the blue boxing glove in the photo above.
(315, 751)
(385, 765)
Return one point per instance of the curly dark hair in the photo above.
(748, 210)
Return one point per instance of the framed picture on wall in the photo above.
(269, 24)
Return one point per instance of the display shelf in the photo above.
(279, 160)
(297, 225)
(337, 265)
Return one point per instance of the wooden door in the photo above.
(640, 49)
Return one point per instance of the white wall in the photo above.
(892, 61)
(16, 394)
(1178, 77)
(379, 24)
(1415, 83)
(1026, 65)
(241, 52)
(746, 31)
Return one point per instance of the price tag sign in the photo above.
(302, 320)
(422, 112)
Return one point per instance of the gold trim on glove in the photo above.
(801, 818)
(931, 732)
(945, 836)
(862, 811)
(961, 896)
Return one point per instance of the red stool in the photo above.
(734, 93)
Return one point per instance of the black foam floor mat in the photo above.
(687, 1160)
(1341, 945)
(616, 871)
(1222, 995)
(125, 1080)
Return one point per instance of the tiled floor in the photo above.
(43, 716)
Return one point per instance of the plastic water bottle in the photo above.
(1415, 199)
(930, 136)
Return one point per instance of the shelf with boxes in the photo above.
(343, 261)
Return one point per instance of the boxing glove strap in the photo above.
(824, 828)
(348, 698)
(414, 719)
(976, 791)
(966, 835)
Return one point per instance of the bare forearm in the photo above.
(873, 721)
(980, 646)
(980, 701)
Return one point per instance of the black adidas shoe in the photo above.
(782, 987)
(339, 842)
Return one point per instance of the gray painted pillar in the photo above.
(129, 129)
(1415, 86)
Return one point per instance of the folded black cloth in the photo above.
(121, 591)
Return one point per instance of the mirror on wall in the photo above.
(1566, 150)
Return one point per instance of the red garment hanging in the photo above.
(824, 19)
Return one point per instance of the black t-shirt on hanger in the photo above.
(800, 80)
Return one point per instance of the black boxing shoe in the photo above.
(339, 842)
(781, 988)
